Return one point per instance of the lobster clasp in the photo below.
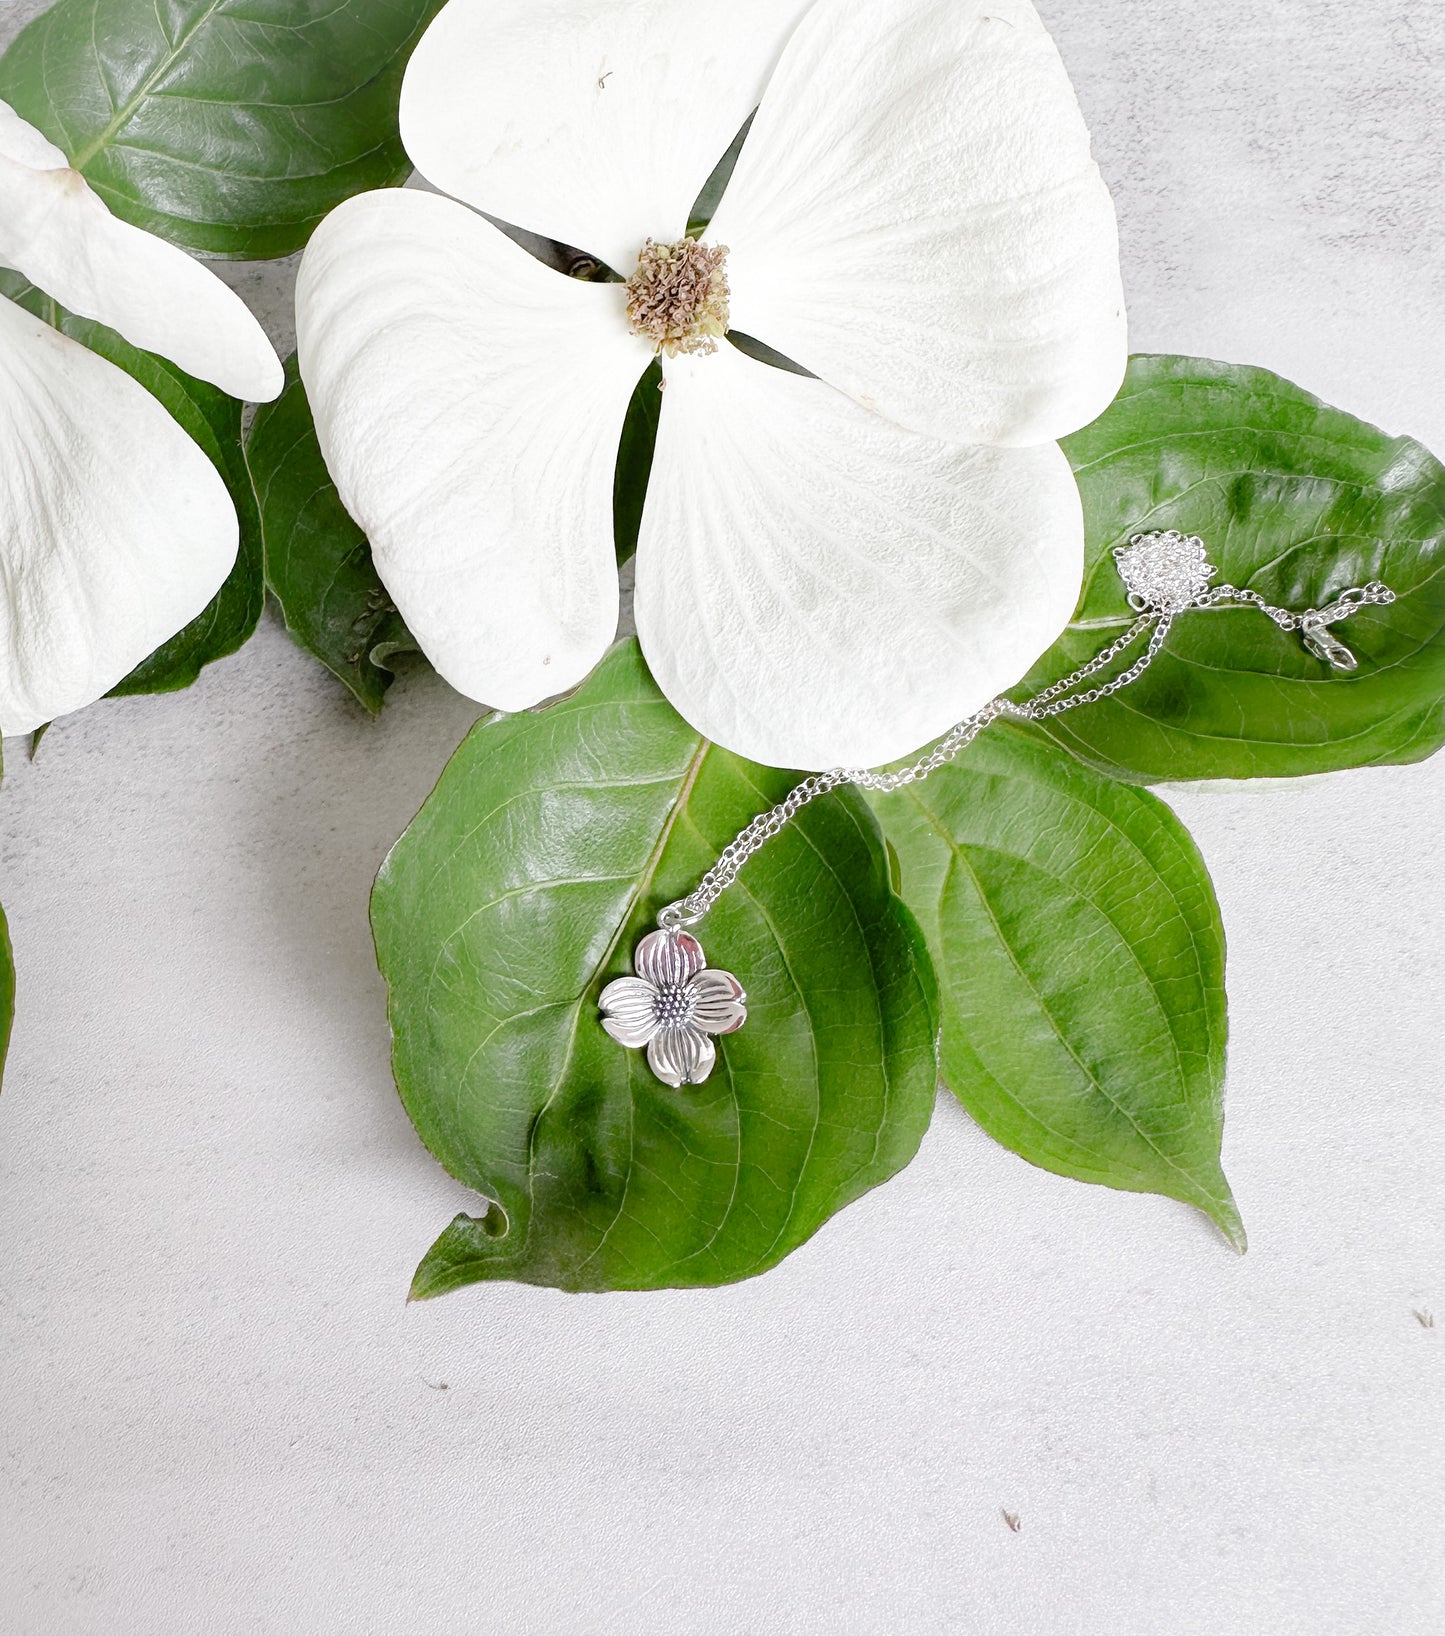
(1324, 644)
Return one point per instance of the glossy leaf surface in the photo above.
(523, 887)
(213, 420)
(228, 126)
(1080, 961)
(1297, 501)
(318, 562)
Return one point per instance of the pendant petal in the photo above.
(719, 1003)
(681, 1056)
(629, 1011)
(668, 959)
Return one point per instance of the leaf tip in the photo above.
(459, 1255)
(1224, 1213)
(425, 1286)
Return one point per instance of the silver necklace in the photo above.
(676, 1003)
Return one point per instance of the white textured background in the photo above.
(217, 1416)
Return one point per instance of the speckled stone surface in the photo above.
(217, 1415)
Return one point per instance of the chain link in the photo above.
(1052, 701)
(1345, 604)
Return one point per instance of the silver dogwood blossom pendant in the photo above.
(673, 1006)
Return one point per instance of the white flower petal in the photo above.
(681, 1056)
(115, 530)
(57, 232)
(668, 959)
(817, 587)
(629, 1010)
(20, 141)
(719, 1004)
(595, 122)
(469, 402)
(916, 218)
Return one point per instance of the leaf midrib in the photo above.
(644, 885)
(957, 852)
(122, 116)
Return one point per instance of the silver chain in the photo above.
(1313, 623)
(1158, 619)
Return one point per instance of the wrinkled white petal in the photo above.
(681, 1056)
(916, 218)
(718, 1002)
(629, 1010)
(595, 122)
(115, 530)
(667, 959)
(817, 587)
(20, 141)
(469, 403)
(57, 232)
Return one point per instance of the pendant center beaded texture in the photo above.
(676, 1003)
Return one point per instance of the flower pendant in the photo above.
(672, 1006)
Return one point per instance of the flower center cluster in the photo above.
(673, 1006)
(678, 297)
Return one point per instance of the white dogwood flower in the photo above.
(115, 529)
(833, 567)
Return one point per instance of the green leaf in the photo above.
(634, 460)
(213, 420)
(1080, 959)
(544, 854)
(318, 562)
(228, 126)
(7, 990)
(706, 204)
(1297, 501)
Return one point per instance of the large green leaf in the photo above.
(1297, 501)
(318, 562)
(214, 420)
(228, 126)
(545, 852)
(1080, 960)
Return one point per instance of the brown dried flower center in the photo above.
(678, 297)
